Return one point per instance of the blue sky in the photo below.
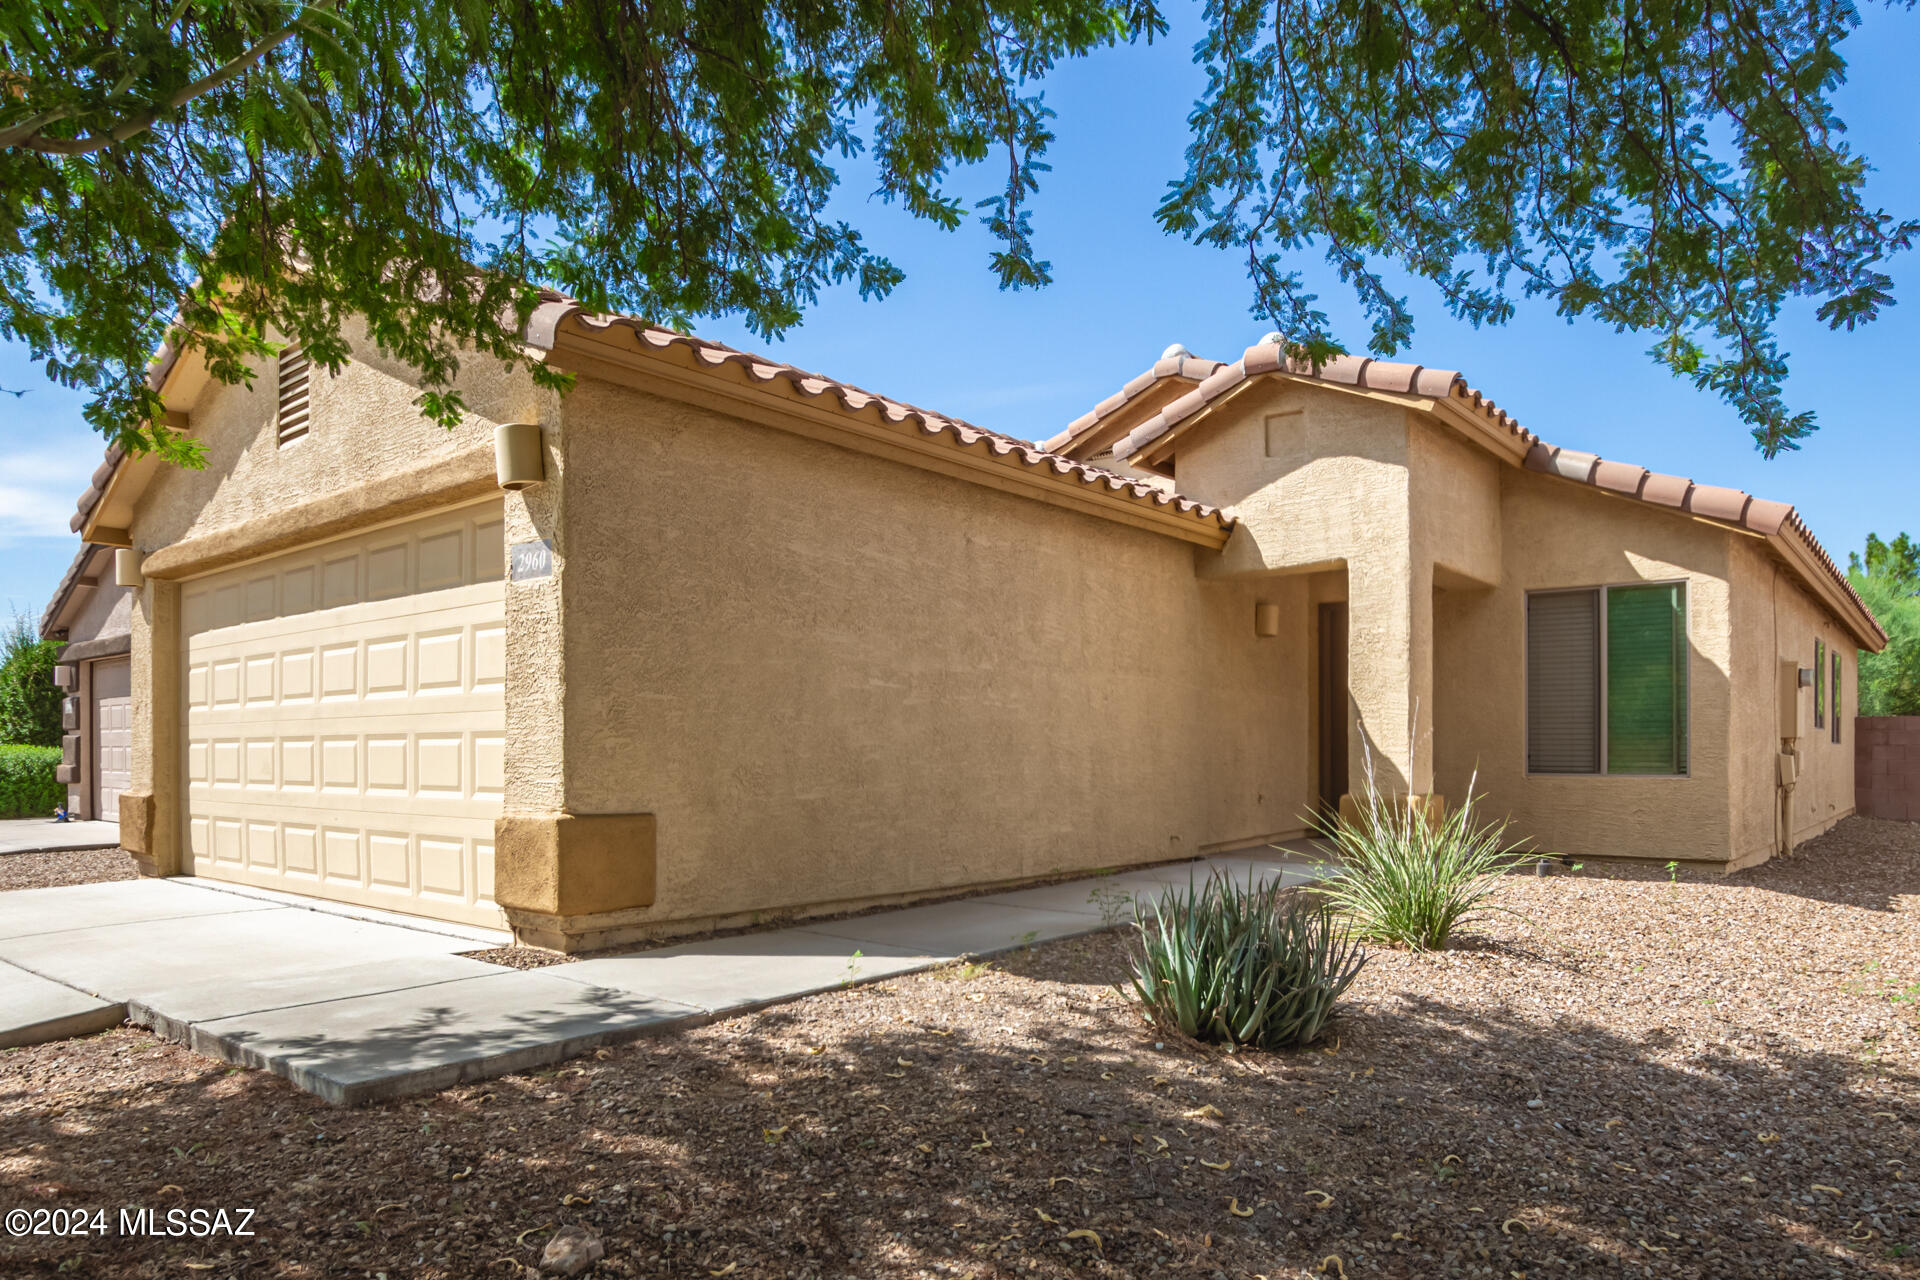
(1027, 363)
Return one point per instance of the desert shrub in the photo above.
(27, 786)
(1409, 879)
(1254, 966)
(29, 700)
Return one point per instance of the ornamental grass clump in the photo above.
(1410, 878)
(1251, 966)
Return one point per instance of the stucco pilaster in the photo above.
(536, 649)
(1390, 669)
(151, 809)
(556, 871)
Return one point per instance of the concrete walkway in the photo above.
(35, 835)
(356, 1010)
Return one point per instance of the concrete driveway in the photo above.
(356, 1009)
(33, 835)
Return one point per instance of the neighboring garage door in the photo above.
(112, 735)
(346, 716)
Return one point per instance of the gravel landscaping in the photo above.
(63, 866)
(1630, 1074)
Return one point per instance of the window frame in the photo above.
(1819, 683)
(1833, 698)
(1604, 589)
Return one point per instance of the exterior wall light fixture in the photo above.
(517, 459)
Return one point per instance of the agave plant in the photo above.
(1248, 966)
(1410, 877)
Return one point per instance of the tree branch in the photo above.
(29, 133)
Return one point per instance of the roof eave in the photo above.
(1796, 544)
(104, 513)
(71, 583)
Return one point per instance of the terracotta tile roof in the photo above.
(1185, 365)
(543, 332)
(157, 371)
(1737, 507)
(68, 581)
(96, 488)
(1774, 520)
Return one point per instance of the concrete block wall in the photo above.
(1886, 775)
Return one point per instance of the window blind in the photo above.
(1646, 680)
(1563, 682)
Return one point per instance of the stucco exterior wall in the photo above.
(1320, 480)
(1454, 505)
(1779, 621)
(364, 428)
(1324, 478)
(107, 612)
(833, 678)
(1557, 534)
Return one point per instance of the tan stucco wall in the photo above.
(365, 426)
(1559, 534)
(833, 678)
(365, 429)
(1319, 480)
(1324, 478)
(107, 611)
(1777, 620)
(1455, 505)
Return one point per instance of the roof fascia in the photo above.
(1124, 419)
(183, 376)
(1475, 427)
(1794, 550)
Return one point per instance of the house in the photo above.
(709, 639)
(90, 616)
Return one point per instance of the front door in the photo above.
(1332, 711)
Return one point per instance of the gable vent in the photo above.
(294, 380)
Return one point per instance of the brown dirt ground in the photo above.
(1627, 1077)
(63, 866)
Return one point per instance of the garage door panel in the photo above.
(258, 684)
(300, 846)
(390, 861)
(111, 686)
(489, 765)
(343, 861)
(263, 845)
(352, 745)
(296, 590)
(338, 806)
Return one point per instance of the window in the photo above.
(294, 371)
(1563, 682)
(1607, 680)
(1819, 684)
(1836, 695)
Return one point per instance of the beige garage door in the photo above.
(112, 735)
(345, 717)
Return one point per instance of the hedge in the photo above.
(27, 786)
